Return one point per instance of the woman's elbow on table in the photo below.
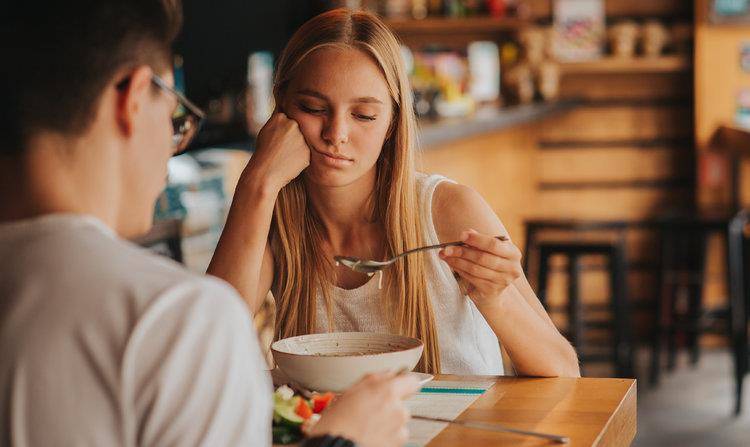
(565, 364)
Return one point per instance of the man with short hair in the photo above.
(101, 342)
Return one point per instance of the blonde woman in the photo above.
(334, 173)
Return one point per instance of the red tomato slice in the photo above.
(320, 402)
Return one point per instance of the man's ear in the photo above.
(132, 98)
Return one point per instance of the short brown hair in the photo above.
(59, 56)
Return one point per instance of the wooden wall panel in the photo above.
(614, 164)
(626, 86)
(620, 122)
(615, 204)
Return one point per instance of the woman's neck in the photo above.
(348, 227)
(346, 213)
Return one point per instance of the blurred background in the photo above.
(610, 136)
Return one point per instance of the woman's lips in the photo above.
(334, 160)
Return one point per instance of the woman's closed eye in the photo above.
(363, 117)
(322, 111)
(312, 110)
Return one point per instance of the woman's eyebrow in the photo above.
(308, 92)
(368, 100)
(316, 94)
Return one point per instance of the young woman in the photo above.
(334, 174)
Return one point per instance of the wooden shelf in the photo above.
(446, 25)
(615, 9)
(486, 120)
(638, 64)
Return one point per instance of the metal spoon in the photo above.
(370, 267)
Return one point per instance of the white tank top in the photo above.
(467, 343)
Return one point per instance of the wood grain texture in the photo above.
(620, 122)
(449, 25)
(453, 33)
(673, 63)
(592, 412)
(542, 9)
(627, 86)
(613, 204)
(613, 164)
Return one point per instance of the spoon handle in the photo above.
(443, 245)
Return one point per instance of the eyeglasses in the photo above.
(187, 119)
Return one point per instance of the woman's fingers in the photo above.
(488, 264)
(491, 244)
(481, 279)
(476, 270)
(480, 285)
(484, 259)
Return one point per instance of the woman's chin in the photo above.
(330, 178)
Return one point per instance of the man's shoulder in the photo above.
(86, 257)
(153, 276)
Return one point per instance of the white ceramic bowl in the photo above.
(335, 361)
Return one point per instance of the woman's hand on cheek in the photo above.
(281, 152)
(486, 263)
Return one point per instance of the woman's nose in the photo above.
(336, 131)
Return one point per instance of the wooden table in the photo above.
(590, 411)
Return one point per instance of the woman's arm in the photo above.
(243, 256)
(497, 285)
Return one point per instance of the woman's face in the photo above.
(340, 100)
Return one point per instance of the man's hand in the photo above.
(372, 412)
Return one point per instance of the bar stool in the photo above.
(621, 347)
(680, 312)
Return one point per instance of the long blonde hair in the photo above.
(296, 231)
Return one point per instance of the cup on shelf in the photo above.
(520, 82)
(534, 42)
(622, 38)
(548, 80)
(655, 38)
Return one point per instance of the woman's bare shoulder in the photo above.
(456, 208)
